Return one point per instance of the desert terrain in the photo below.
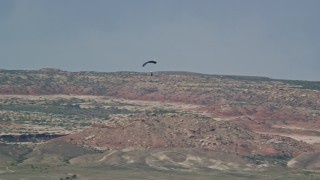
(56, 124)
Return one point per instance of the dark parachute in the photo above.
(154, 62)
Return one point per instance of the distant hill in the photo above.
(259, 118)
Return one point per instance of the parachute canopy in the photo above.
(154, 62)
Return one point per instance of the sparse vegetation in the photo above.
(274, 160)
(160, 111)
(304, 84)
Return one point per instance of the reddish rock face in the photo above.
(185, 132)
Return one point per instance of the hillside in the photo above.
(185, 131)
(264, 120)
(266, 105)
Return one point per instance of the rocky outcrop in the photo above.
(27, 137)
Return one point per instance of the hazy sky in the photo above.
(273, 38)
